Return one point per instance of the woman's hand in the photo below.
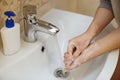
(89, 53)
(76, 46)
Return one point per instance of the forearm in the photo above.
(103, 45)
(102, 18)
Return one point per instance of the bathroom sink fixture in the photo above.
(40, 60)
(32, 24)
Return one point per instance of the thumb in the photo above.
(75, 64)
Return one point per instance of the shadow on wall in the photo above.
(87, 7)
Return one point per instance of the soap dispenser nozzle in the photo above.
(9, 22)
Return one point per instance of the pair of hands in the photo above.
(76, 53)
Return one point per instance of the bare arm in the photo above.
(103, 45)
(102, 18)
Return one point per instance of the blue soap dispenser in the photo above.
(10, 34)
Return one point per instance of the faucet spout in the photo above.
(32, 24)
(46, 27)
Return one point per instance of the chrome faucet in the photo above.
(32, 24)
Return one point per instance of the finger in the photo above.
(68, 61)
(76, 63)
(73, 66)
(67, 56)
(66, 69)
(70, 48)
(76, 54)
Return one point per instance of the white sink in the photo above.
(30, 63)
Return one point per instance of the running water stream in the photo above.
(55, 57)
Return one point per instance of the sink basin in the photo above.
(39, 60)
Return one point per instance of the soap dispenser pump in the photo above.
(10, 34)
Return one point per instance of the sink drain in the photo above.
(59, 73)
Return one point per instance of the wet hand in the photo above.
(76, 46)
(89, 53)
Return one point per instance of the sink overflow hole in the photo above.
(43, 49)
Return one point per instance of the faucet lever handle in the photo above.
(29, 10)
